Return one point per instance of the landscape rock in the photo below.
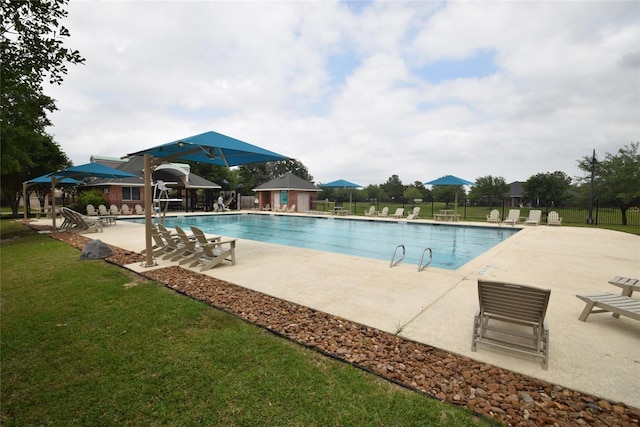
(96, 249)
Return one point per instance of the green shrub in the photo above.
(90, 197)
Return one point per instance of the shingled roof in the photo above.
(287, 181)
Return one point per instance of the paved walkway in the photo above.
(436, 307)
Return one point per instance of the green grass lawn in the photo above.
(89, 343)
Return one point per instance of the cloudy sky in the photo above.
(359, 90)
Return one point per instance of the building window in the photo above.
(130, 193)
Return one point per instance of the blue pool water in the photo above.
(452, 245)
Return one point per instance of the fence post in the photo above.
(597, 210)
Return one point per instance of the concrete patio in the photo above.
(600, 356)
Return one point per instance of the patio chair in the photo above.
(125, 209)
(554, 219)
(173, 244)
(513, 217)
(370, 212)
(103, 211)
(76, 222)
(605, 302)
(505, 308)
(267, 207)
(201, 238)
(159, 244)
(91, 210)
(190, 250)
(384, 212)
(415, 214)
(68, 221)
(534, 217)
(216, 252)
(114, 210)
(292, 208)
(494, 216)
(399, 213)
(139, 210)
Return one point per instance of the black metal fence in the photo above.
(582, 213)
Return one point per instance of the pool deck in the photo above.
(600, 356)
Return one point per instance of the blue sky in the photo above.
(359, 90)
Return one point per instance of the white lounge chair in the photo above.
(415, 214)
(114, 210)
(139, 210)
(292, 208)
(370, 212)
(494, 216)
(126, 210)
(513, 217)
(554, 219)
(534, 217)
(384, 212)
(399, 213)
(103, 211)
(91, 210)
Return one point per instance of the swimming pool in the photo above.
(452, 245)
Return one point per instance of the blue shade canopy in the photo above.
(89, 170)
(449, 180)
(46, 179)
(209, 147)
(213, 148)
(341, 183)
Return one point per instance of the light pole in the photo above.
(594, 161)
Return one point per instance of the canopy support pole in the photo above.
(147, 212)
(53, 201)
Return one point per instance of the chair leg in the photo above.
(587, 311)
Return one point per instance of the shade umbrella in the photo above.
(451, 180)
(43, 179)
(209, 147)
(341, 183)
(87, 170)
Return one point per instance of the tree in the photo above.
(32, 51)
(446, 193)
(411, 193)
(393, 188)
(548, 188)
(489, 187)
(617, 177)
(255, 174)
(416, 190)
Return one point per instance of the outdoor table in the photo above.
(109, 219)
(446, 215)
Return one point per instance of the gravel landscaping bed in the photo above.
(493, 392)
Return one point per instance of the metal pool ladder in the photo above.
(395, 252)
(421, 265)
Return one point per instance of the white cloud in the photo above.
(269, 73)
